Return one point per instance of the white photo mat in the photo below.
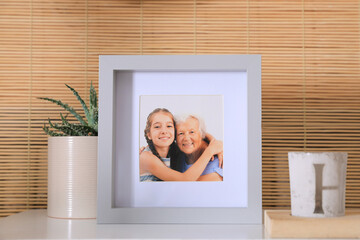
(121, 197)
(232, 87)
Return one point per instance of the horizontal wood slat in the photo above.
(310, 74)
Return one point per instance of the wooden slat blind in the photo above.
(332, 84)
(310, 74)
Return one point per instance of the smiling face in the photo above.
(161, 130)
(188, 135)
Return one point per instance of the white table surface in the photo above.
(34, 224)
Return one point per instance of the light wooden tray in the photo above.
(280, 224)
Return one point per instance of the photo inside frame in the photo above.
(175, 131)
(220, 97)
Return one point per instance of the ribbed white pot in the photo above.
(72, 177)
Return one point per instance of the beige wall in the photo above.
(310, 73)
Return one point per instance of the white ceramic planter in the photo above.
(317, 182)
(72, 177)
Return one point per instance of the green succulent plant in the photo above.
(85, 127)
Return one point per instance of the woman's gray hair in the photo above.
(182, 118)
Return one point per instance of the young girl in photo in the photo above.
(155, 159)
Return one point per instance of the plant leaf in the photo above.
(93, 107)
(67, 129)
(93, 97)
(67, 108)
(63, 119)
(85, 130)
(96, 127)
(83, 104)
(51, 133)
(57, 127)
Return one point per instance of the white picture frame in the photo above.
(115, 197)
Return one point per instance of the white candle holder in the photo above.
(317, 182)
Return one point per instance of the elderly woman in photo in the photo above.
(155, 159)
(190, 138)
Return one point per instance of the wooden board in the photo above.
(280, 224)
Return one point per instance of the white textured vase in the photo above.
(317, 182)
(72, 177)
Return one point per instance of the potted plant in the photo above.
(72, 160)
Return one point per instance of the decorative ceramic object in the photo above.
(72, 177)
(317, 182)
